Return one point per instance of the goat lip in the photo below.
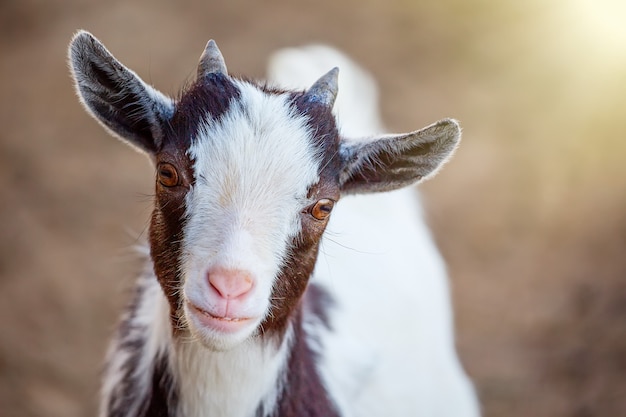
(223, 324)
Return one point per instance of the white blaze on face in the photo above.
(253, 167)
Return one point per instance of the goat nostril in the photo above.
(230, 284)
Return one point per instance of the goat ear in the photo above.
(395, 161)
(116, 96)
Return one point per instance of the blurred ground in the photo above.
(530, 214)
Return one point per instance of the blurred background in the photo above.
(530, 214)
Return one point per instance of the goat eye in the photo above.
(321, 210)
(167, 175)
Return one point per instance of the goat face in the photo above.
(246, 178)
(243, 192)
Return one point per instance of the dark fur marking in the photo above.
(130, 340)
(162, 396)
(303, 395)
(211, 95)
(163, 401)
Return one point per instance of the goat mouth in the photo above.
(211, 321)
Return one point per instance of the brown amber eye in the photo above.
(321, 210)
(167, 175)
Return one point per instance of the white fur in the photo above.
(391, 351)
(230, 383)
(253, 167)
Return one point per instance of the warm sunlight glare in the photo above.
(604, 19)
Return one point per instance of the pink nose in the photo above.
(230, 283)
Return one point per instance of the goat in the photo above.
(226, 319)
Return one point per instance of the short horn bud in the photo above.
(211, 61)
(324, 90)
